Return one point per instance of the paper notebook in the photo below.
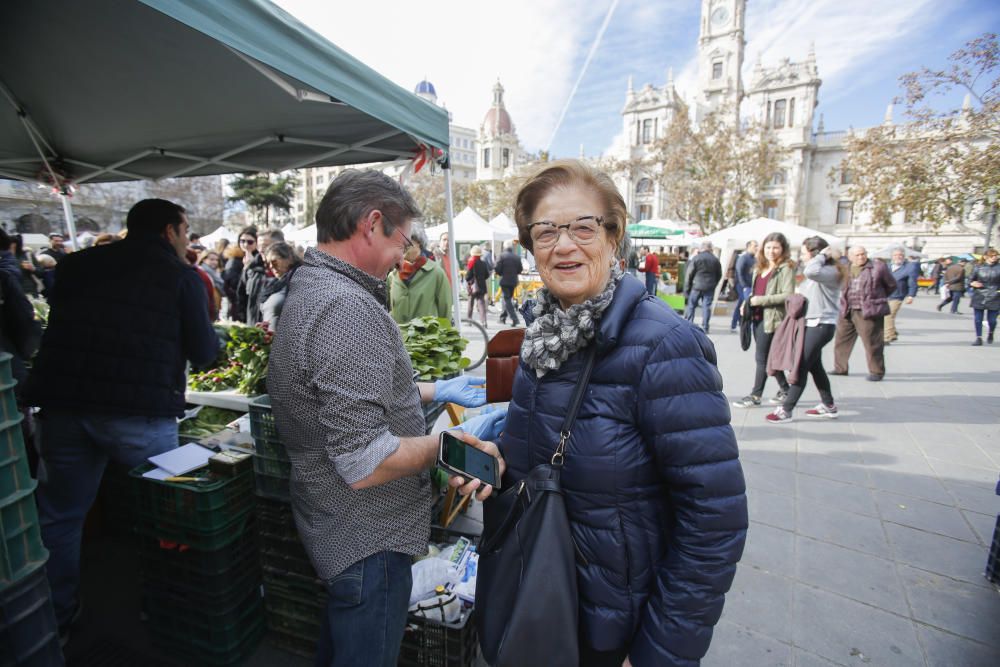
(183, 459)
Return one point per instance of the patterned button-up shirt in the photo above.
(342, 393)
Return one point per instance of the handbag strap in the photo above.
(574, 405)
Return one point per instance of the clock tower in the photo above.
(720, 58)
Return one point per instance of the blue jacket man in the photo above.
(905, 274)
(744, 279)
(109, 377)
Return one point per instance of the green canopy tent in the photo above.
(111, 90)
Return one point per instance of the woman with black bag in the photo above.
(624, 512)
(475, 280)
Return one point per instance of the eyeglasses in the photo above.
(407, 243)
(247, 241)
(583, 230)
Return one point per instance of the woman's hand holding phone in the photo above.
(466, 486)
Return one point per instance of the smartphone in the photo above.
(460, 458)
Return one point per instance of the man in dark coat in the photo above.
(508, 268)
(703, 276)
(863, 307)
(744, 279)
(954, 284)
(125, 320)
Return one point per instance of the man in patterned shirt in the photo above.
(348, 411)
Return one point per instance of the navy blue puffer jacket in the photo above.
(652, 479)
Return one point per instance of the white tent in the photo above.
(758, 228)
(289, 228)
(886, 252)
(305, 236)
(502, 223)
(209, 240)
(470, 227)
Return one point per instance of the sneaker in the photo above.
(977, 342)
(940, 306)
(747, 402)
(835, 372)
(823, 412)
(779, 398)
(989, 338)
(779, 416)
(874, 378)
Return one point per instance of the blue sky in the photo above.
(537, 49)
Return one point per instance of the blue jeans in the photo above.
(705, 299)
(366, 613)
(954, 296)
(74, 452)
(651, 283)
(742, 294)
(991, 320)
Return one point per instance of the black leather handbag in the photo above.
(746, 325)
(527, 605)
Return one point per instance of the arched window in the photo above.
(644, 187)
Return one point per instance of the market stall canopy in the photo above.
(306, 235)
(111, 90)
(209, 240)
(758, 228)
(469, 226)
(502, 223)
(660, 230)
(886, 252)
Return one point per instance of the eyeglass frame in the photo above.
(247, 240)
(407, 242)
(598, 219)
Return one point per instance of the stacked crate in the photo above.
(294, 597)
(29, 633)
(198, 552)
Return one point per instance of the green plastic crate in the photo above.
(214, 645)
(269, 486)
(14, 473)
(290, 584)
(286, 641)
(203, 506)
(21, 550)
(5, 373)
(203, 540)
(266, 465)
(222, 592)
(8, 402)
(29, 634)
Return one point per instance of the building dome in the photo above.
(425, 87)
(497, 121)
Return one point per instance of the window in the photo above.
(767, 121)
(319, 179)
(647, 131)
(845, 212)
(779, 114)
(644, 187)
(486, 158)
(717, 69)
(780, 177)
(645, 212)
(846, 177)
(638, 132)
(773, 208)
(791, 112)
(506, 158)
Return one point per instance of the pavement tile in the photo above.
(849, 573)
(916, 486)
(833, 468)
(767, 478)
(771, 508)
(838, 445)
(734, 645)
(850, 632)
(770, 457)
(965, 454)
(962, 609)
(975, 498)
(755, 592)
(939, 554)
(948, 650)
(846, 529)
(983, 524)
(769, 549)
(932, 517)
(848, 497)
(803, 658)
(986, 478)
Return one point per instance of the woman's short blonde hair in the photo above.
(565, 173)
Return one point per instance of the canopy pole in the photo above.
(68, 214)
(452, 249)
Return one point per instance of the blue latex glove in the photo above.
(462, 390)
(487, 426)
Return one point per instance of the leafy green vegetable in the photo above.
(434, 346)
(208, 421)
(242, 365)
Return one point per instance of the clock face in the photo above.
(720, 15)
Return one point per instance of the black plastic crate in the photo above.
(427, 643)
(203, 506)
(432, 411)
(223, 593)
(234, 646)
(275, 518)
(293, 585)
(302, 646)
(201, 540)
(191, 623)
(268, 465)
(173, 560)
(274, 488)
(993, 562)
(29, 634)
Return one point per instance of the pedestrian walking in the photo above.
(475, 280)
(863, 307)
(773, 282)
(508, 268)
(954, 284)
(985, 280)
(703, 276)
(650, 266)
(744, 280)
(823, 277)
(905, 273)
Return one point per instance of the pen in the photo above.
(185, 479)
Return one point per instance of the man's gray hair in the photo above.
(706, 245)
(353, 195)
(273, 234)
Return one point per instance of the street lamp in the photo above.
(991, 197)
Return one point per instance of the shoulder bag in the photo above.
(527, 605)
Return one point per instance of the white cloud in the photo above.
(533, 46)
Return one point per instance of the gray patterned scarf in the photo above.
(557, 334)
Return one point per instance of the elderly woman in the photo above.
(419, 286)
(652, 481)
(281, 259)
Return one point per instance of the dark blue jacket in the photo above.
(652, 482)
(124, 320)
(744, 269)
(906, 280)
